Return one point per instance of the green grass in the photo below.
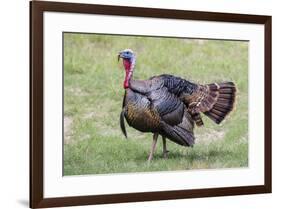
(93, 96)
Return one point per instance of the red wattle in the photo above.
(126, 80)
(127, 66)
(126, 84)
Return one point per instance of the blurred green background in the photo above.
(93, 93)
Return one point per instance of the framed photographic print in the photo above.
(138, 104)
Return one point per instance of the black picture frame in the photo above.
(37, 8)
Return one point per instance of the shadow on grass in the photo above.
(191, 155)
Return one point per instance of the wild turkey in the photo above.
(169, 105)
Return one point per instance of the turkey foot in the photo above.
(153, 146)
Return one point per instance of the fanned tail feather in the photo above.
(222, 96)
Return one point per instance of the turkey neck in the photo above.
(129, 65)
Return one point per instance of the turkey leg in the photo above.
(165, 151)
(153, 146)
